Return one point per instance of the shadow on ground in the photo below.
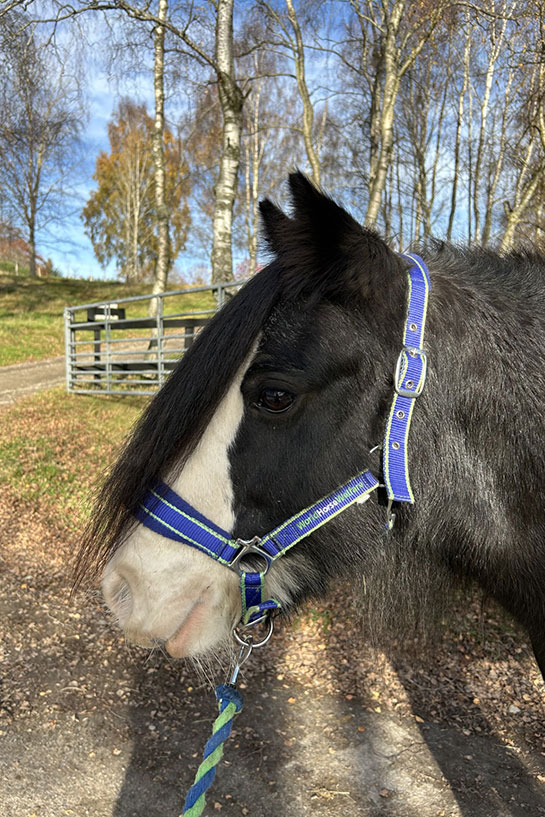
(90, 728)
(297, 752)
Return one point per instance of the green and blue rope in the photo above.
(230, 704)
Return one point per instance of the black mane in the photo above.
(518, 276)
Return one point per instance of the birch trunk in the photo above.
(400, 209)
(254, 149)
(162, 268)
(32, 247)
(514, 215)
(394, 56)
(469, 165)
(382, 132)
(128, 227)
(419, 131)
(308, 110)
(459, 123)
(532, 169)
(135, 227)
(231, 101)
(498, 166)
(497, 44)
(438, 144)
(388, 202)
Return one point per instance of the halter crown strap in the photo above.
(409, 379)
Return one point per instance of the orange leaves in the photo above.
(120, 216)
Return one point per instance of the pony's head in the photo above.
(278, 402)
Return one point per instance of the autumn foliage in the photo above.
(120, 217)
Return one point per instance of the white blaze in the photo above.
(160, 589)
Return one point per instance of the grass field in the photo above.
(31, 311)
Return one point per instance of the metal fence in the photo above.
(124, 347)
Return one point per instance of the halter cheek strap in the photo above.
(165, 512)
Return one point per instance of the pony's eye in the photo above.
(275, 400)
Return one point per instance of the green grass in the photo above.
(9, 266)
(31, 311)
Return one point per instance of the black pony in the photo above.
(291, 385)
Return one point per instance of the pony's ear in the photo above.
(308, 200)
(326, 253)
(274, 222)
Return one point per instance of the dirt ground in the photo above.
(91, 727)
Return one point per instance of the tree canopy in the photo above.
(120, 216)
(40, 126)
(425, 118)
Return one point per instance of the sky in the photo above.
(67, 245)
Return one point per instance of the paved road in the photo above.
(25, 378)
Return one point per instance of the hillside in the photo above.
(31, 311)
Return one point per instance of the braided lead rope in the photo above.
(230, 704)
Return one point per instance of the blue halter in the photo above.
(164, 512)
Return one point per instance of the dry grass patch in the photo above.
(54, 449)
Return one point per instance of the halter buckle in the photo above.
(413, 351)
(249, 547)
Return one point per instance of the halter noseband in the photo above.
(165, 512)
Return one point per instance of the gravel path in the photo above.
(25, 378)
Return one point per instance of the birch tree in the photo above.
(496, 38)
(383, 43)
(398, 40)
(231, 101)
(271, 133)
(287, 34)
(120, 216)
(164, 259)
(128, 48)
(205, 35)
(420, 133)
(254, 144)
(459, 123)
(528, 159)
(40, 128)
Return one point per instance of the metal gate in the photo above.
(116, 347)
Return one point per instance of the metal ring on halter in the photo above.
(249, 547)
(257, 644)
(244, 654)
